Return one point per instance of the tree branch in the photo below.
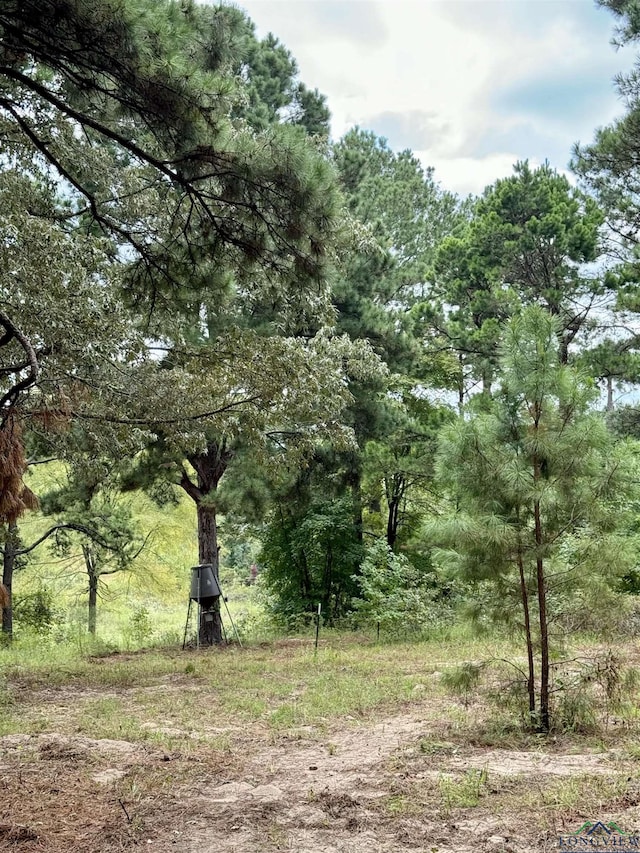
(80, 528)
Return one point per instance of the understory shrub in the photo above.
(37, 612)
(398, 597)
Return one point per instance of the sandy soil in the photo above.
(389, 785)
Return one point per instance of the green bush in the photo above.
(310, 554)
(141, 628)
(37, 612)
(398, 597)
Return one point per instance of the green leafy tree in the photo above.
(150, 115)
(396, 597)
(128, 119)
(281, 395)
(540, 488)
(398, 469)
(400, 214)
(60, 318)
(90, 512)
(15, 554)
(310, 554)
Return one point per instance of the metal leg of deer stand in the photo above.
(186, 626)
(233, 624)
(224, 631)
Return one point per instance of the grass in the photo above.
(280, 686)
(196, 719)
(464, 792)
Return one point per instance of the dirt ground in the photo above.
(390, 783)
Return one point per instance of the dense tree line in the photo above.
(394, 387)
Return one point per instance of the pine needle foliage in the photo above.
(541, 490)
(160, 86)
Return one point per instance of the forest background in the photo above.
(228, 339)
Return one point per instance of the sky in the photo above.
(471, 86)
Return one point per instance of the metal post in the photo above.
(186, 626)
(199, 608)
(233, 624)
(317, 628)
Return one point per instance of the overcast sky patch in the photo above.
(471, 86)
(415, 129)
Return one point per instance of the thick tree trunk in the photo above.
(210, 467)
(210, 627)
(11, 545)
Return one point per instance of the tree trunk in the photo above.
(210, 467)
(210, 628)
(542, 609)
(395, 490)
(531, 682)
(8, 564)
(92, 574)
(487, 382)
(609, 393)
(392, 521)
(564, 350)
(355, 484)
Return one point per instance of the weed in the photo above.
(107, 718)
(464, 792)
(431, 747)
(140, 629)
(403, 805)
(592, 691)
(462, 679)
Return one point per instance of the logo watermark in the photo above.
(600, 836)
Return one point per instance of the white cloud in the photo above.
(474, 84)
(467, 174)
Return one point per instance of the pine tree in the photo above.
(609, 166)
(152, 83)
(529, 242)
(408, 214)
(540, 488)
(221, 227)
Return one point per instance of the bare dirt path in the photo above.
(398, 782)
(378, 787)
